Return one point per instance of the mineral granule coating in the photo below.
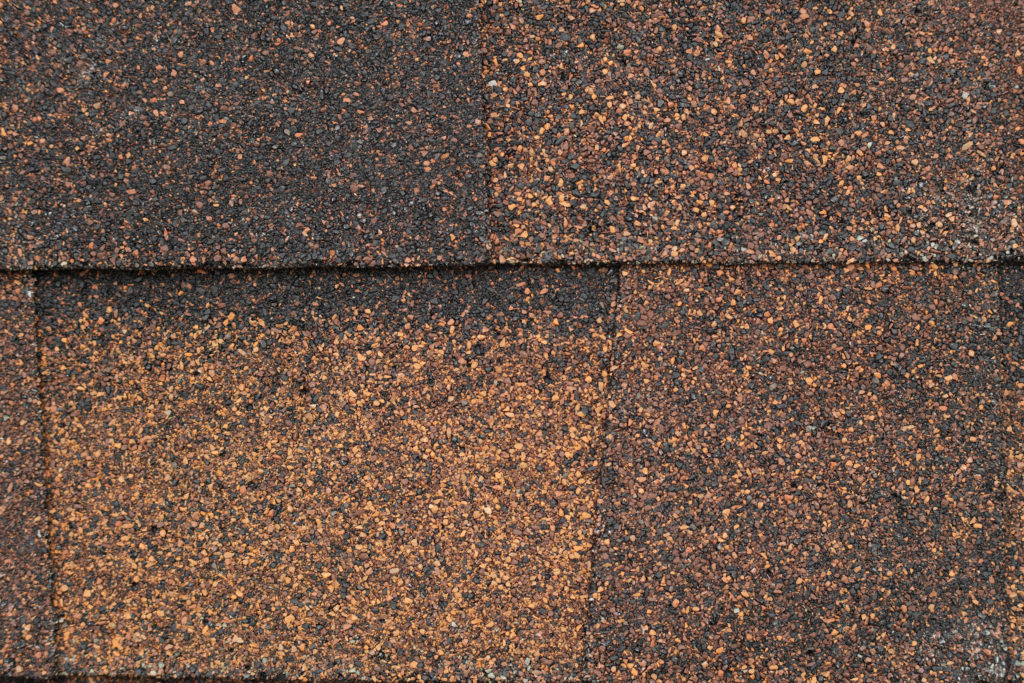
(26, 615)
(325, 474)
(745, 132)
(806, 476)
(246, 134)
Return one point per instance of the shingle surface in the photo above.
(262, 133)
(689, 131)
(1012, 284)
(325, 473)
(805, 477)
(26, 617)
(512, 339)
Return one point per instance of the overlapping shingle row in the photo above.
(380, 133)
(694, 473)
(600, 437)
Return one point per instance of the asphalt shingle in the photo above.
(325, 473)
(806, 476)
(323, 398)
(249, 133)
(26, 615)
(745, 132)
(1012, 287)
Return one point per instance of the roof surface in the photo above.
(512, 340)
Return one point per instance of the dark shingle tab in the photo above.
(744, 132)
(26, 615)
(139, 134)
(328, 473)
(806, 476)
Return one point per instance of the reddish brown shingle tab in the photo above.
(806, 477)
(26, 616)
(336, 474)
(730, 131)
(140, 134)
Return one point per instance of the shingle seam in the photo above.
(511, 263)
(67, 678)
(86, 273)
(505, 265)
(601, 450)
(486, 109)
(44, 454)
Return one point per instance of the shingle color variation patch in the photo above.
(806, 477)
(26, 616)
(748, 132)
(333, 474)
(137, 134)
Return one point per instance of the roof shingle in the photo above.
(323, 398)
(26, 615)
(746, 132)
(1012, 287)
(266, 134)
(806, 476)
(325, 473)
